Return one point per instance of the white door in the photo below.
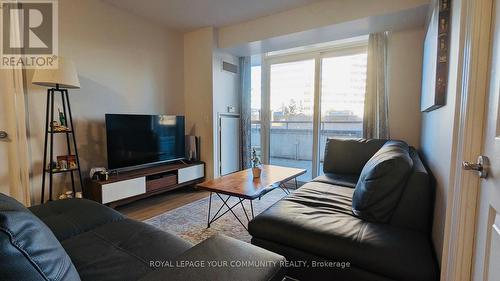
(487, 242)
(229, 144)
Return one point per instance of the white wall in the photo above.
(312, 16)
(225, 93)
(405, 50)
(226, 84)
(126, 65)
(198, 91)
(208, 90)
(437, 136)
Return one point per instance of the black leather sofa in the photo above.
(78, 239)
(316, 222)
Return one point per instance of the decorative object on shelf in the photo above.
(99, 173)
(436, 57)
(95, 170)
(66, 195)
(69, 194)
(102, 175)
(66, 162)
(256, 168)
(72, 164)
(60, 129)
(62, 163)
(62, 118)
(52, 165)
(57, 128)
(58, 81)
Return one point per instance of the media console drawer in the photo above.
(123, 189)
(163, 182)
(191, 173)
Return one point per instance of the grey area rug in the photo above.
(190, 221)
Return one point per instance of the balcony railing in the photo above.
(288, 124)
(338, 128)
(293, 139)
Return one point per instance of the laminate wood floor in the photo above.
(155, 205)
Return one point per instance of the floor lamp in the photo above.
(58, 81)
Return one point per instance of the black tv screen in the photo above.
(138, 140)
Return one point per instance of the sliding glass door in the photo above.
(307, 98)
(343, 83)
(291, 117)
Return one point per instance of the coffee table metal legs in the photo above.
(284, 188)
(225, 204)
(209, 208)
(229, 209)
(251, 207)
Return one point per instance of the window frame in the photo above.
(316, 54)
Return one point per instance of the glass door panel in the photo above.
(343, 82)
(291, 120)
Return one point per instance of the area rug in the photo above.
(190, 221)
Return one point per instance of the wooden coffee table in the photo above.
(244, 186)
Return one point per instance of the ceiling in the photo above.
(400, 20)
(185, 15)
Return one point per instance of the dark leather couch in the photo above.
(78, 239)
(316, 223)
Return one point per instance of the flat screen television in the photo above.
(143, 140)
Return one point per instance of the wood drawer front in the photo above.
(161, 183)
(191, 173)
(123, 189)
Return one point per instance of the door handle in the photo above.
(482, 166)
(3, 135)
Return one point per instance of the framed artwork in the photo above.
(436, 57)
